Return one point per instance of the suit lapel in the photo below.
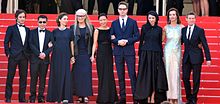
(37, 37)
(18, 33)
(45, 40)
(193, 33)
(127, 24)
(119, 25)
(26, 37)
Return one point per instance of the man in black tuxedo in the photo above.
(192, 36)
(39, 40)
(17, 50)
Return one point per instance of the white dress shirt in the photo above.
(121, 21)
(22, 33)
(41, 36)
(187, 32)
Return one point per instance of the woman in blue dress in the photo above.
(82, 68)
(59, 87)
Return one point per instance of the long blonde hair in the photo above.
(87, 21)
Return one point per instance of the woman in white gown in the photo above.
(172, 55)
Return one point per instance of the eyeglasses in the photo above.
(42, 22)
(122, 9)
(81, 15)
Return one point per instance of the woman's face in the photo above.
(81, 17)
(152, 19)
(172, 16)
(64, 20)
(103, 20)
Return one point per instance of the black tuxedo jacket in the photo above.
(192, 50)
(35, 45)
(13, 43)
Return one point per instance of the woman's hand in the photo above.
(72, 60)
(50, 44)
(92, 58)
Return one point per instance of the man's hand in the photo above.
(42, 55)
(113, 37)
(72, 60)
(208, 63)
(122, 42)
(50, 44)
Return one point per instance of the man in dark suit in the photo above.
(17, 50)
(39, 40)
(124, 33)
(192, 36)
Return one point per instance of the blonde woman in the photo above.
(82, 68)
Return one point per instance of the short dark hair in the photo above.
(60, 16)
(190, 13)
(42, 16)
(177, 14)
(19, 11)
(102, 14)
(123, 3)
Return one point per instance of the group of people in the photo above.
(200, 7)
(75, 48)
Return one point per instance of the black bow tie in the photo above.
(42, 30)
(21, 25)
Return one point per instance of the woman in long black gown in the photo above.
(59, 87)
(151, 79)
(104, 63)
(82, 68)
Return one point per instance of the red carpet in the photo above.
(210, 80)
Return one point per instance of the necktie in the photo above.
(189, 33)
(123, 24)
(42, 30)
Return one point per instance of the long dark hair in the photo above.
(177, 14)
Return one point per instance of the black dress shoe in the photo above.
(188, 102)
(23, 101)
(193, 102)
(136, 102)
(41, 101)
(32, 101)
(122, 101)
(8, 100)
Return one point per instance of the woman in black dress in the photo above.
(82, 68)
(59, 87)
(104, 62)
(151, 84)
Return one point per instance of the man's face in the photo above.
(21, 18)
(191, 19)
(42, 23)
(122, 10)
